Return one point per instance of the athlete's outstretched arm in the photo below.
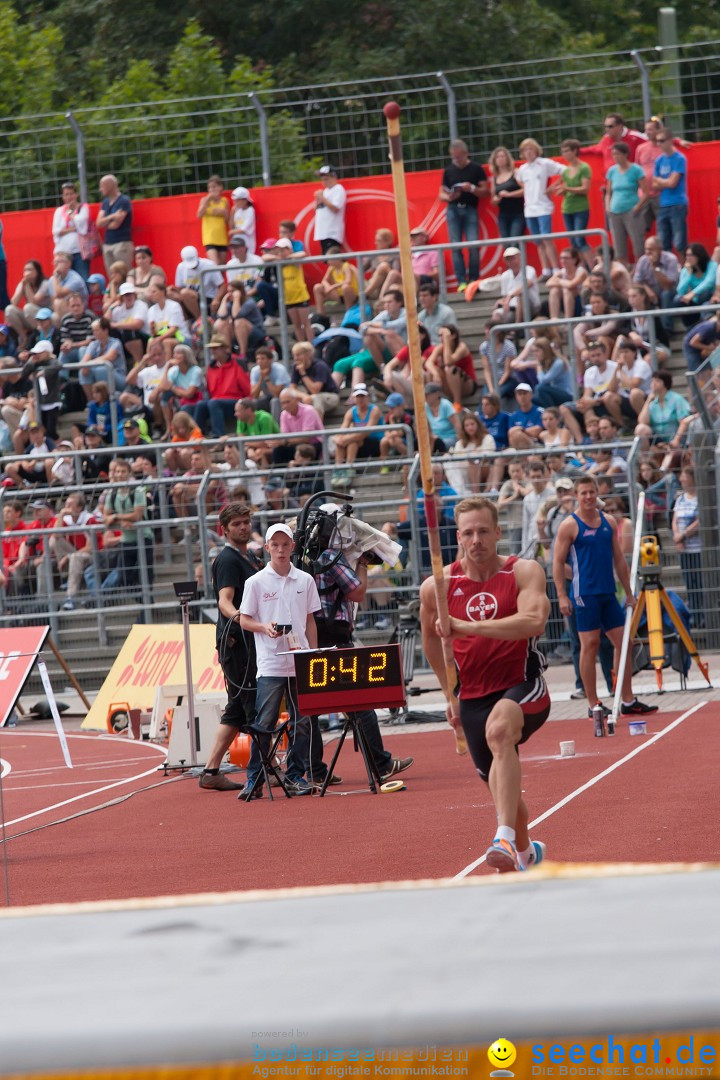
(432, 643)
(563, 541)
(532, 613)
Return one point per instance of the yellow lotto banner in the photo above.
(657, 1054)
(151, 657)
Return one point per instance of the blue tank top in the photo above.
(591, 560)
(359, 422)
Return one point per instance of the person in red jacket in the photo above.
(226, 381)
(615, 132)
(12, 513)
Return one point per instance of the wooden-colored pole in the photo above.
(422, 428)
(64, 665)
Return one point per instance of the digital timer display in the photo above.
(349, 679)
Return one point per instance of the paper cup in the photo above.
(567, 749)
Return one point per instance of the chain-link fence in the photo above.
(271, 136)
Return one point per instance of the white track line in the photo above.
(594, 780)
(87, 795)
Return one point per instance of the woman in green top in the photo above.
(574, 185)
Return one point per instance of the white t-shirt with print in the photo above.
(599, 381)
(285, 599)
(330, 225)
(534, 176)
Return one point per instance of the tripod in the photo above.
(652, 598)
(352, 723)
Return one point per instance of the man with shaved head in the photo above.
(115, 217)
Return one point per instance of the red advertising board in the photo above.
(19, 647)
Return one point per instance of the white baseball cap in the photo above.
(523, 386)
(279, 527)
(510, 251)
(126, 288)
(42, 346)
(284, 242)
(361, 388)
(189, 255)
(241, 193)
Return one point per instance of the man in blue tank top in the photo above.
(588, 541)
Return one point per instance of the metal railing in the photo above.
(263, 135)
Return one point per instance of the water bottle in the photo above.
(598, 715)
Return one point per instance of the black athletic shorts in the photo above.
(533, 698)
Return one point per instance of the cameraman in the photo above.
(340, 587)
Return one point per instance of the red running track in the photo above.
(170, 838)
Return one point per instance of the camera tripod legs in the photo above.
(361, 743)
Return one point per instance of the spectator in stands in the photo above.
(646, 155)
(356, 443)
(701, 340)
(625, 195)
(513, 282)
(75, 330)
(442, 418)
(30, 440)
(525, 425)
(432, 314)
(8, 344)
(639, 331)
(117, 276)
(658, 272)
(135, 439)
(181, 384)
(393, 442)
(463, 182)
(96, 294)
(425, 264)
(662, 412)
(697, 281)
(596, 382)
(70, 221)
(143, 273)
(93, 464)
(296, 419)
(506, 194)
(534, 176)
(43, 370)
(115, 217)
(166, 318)
(587, 333)
(31, 292)
(552, 434)
(615, 132)
(670, 179)
(102, 354)
(339, 282)
(183, 429)
(14, 394)
(30, 563)
(297, 297)
(554, 378)
(574, 185)
(564, 287)
(510, 501)
(500, 377)
(397, 372)
(267, 379)
(312, 379)
(383, 337)
(184, 494)
(226, 381)
(12, 514)
(686, 535)
(381, 265)
(330, 202)
(597, 282)
(129, 321)
(189, 272)
(242, 218)
(63, 545)
(143, 382)
(63, 282)
(81, 557)
(252, 420)
(240, 319)
(629, 385)
(465, 475)
(451, 364)
(126, 507)
(496, 422)
(243, 265)
(44, 330)
(99, 412)
(214, 214)
(541, 489)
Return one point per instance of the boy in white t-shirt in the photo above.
(279, 597)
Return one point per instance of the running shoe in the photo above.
(502, 856)
(637, 708)
(538, 853)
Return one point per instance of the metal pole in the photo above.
(527, 313)
(612, 719)
(451, 104)
(80, 150)
(672, 89)
(185, 609)
(644, 82)
(264, 141)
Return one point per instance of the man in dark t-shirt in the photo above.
(236, 649)
(115, 217)
(462, 183)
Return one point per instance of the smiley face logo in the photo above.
(502, 1054)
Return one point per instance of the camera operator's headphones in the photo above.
(316, 530)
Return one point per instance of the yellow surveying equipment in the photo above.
(652, 598)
